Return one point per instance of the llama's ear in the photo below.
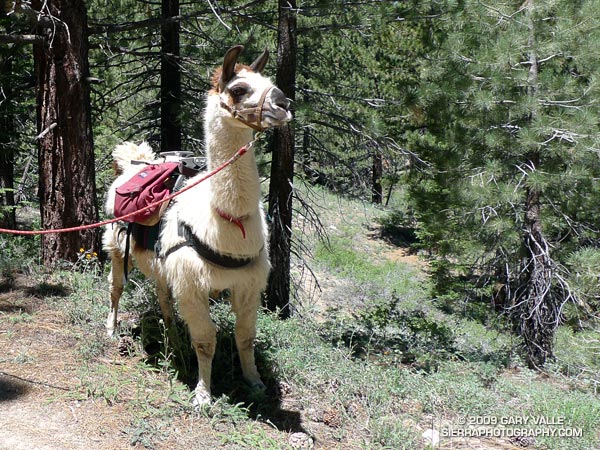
(259, 64)
(229, 61)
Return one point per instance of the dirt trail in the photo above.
(39, 383)
(46, 401)
(31, 422)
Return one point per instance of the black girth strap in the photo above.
(204, 251)
(126, 261)
(145, 237)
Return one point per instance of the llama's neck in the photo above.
(236, 189)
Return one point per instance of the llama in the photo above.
(214, 236)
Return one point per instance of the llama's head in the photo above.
(249, 97)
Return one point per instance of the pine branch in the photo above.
(106, 28)
(21, 38)
(125, 51)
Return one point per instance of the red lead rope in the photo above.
(230, 161)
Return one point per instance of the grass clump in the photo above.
(330, 380)
(253, 437)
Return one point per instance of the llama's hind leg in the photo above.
(116, 278)
(165, 301)
(203, 333)
(245, 307)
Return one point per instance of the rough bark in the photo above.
(170, 79)
(7, 154)
(282, 169)
(67, 187)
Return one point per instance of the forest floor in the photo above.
(42, 403)
(369, 362)
(53, 398)
(55, 393)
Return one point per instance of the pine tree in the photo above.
(509, 126)
(282, 168)
(7, 125)
(16, 81)
(358, 66)
(67, 184)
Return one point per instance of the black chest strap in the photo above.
(204, 251)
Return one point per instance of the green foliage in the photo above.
(584, 265)
(441, 91)
(481, 127)
(578, 357)
(18, 252)
(354, 90)
(252, 437)
(17, 114)
(317, 371)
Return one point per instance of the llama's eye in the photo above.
(238, 91)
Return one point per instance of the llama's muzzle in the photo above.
(276, 108)
(271, 111)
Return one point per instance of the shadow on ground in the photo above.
(227, 377)
(11, 388)
(16, 288)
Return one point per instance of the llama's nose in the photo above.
(277, 113)
(279, 99)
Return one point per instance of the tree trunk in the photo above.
(170, 79)
(67, 186)
(7, 130)
(7, 143)
(377, 173)
(282, 168)
(538, 309)
(538, 306)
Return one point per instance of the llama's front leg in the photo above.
(116, 278)
(245, 308)
(203, 333)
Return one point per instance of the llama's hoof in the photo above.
(258, 387)
(201, 400)
(257, 392)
